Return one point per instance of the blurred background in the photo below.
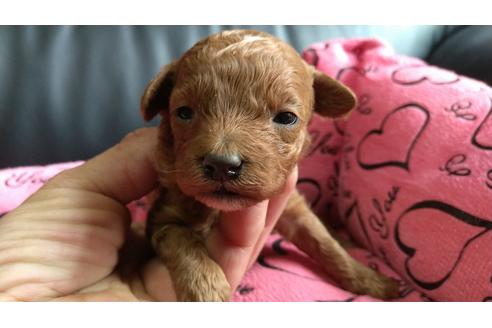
(69, 92)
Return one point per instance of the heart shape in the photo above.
(392, 145)
(356, 225)
(362, 71)
(431, 260)
(311, 56)
(310, 189)
(412, 75)
(482, 138)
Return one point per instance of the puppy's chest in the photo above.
(172, 207)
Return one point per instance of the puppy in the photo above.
(234, 109)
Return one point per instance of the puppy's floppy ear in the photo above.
(331, 98)
(157, 93)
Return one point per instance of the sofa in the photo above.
(69, 92)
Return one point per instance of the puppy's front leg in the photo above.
(301, 226)
(196, 277)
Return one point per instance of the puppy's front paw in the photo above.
(366, 281)
(204, 283)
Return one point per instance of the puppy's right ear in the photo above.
(157, 93)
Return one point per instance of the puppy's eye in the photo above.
(285, 118)
(184, 113)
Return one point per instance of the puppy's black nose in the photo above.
(222, 168)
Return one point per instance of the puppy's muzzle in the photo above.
(222, 167)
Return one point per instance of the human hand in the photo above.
(63, 242)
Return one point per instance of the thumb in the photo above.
(239, 236)
(124, 172)
(232, 241)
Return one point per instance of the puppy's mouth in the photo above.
(223, 192)
(225, 199)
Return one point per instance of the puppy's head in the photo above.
(234, 113)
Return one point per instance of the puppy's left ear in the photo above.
(156, 96)
(331, 98)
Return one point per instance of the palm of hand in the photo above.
(64, 241)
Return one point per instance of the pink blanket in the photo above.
(282, 273)
(409, 175)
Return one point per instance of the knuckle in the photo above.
(137, 135)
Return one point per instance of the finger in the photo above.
(275, 208)
(278, 202)
(232, 240)
(124, 172)
(157, 281)
(239, 236)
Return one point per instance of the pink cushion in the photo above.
(414, 168)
